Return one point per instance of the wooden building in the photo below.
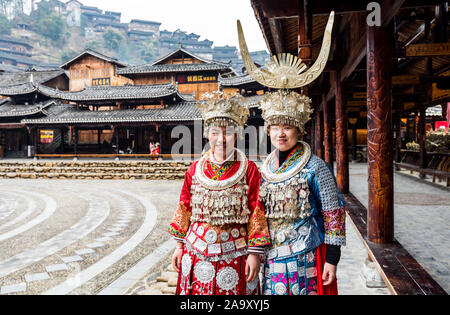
(193, 74)
(389, 61)
(105, 106)
(91, 68)
(113, 119)
(21, 99)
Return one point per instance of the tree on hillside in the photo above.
(147, 50)
(112, 40)
(5, 26)
(52, 27)
(5, 7)
(47, 23)
(44, 9)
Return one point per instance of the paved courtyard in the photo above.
(104, 237)
(81, 237)
(421, 218)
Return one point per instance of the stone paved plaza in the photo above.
(109, 237)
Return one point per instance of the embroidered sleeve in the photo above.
(332, 205)
(258, 230)
(182, 217)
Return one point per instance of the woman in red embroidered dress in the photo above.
(220, 225)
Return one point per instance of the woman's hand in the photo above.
(176, 258)
(329, 274)
(252, 267)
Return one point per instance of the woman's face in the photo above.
(284, 137)
(221, 140)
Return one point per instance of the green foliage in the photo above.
(148, 50)
(52, 27)
(47, 23)
(5, 25)
(112, 40)
(94, 45)
(44, 9)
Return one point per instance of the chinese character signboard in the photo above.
(46, 136)
(196, 78)
(101, 81)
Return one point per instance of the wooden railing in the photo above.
(436, 174)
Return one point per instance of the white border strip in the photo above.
(136, 273)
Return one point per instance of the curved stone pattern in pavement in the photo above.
(81, 237)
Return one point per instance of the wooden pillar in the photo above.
(99, 133)
(342, 174)
(117, 140)
(136, 141)
(62, 131)
(319, 133)
(354, 141)
(75, 146)
(305, 34)
(161, 138)
(327, 131)
(380, 222)
(422, 139)
(398, 138)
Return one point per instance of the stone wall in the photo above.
(149, 170)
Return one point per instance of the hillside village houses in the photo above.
(95, 22)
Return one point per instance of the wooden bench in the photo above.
(402, 274)
(426, 171)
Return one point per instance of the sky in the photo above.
(212, 19)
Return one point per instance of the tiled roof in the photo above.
(125, 92)
(95, 54)
(236, 81)
(18, 89)
(181, 49)
(157, 67)
(24, 60)
(69, 114)
(187, 67)
(16, 78)
(253, 101)
(15, 110)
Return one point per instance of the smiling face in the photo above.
(284, 137)
(221, 140)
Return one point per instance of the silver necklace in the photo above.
(271, 177)
(221, 184)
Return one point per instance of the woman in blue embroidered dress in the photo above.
(305, 213)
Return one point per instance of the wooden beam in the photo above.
(304, 31)
(276, 29)
(288, 8)
(389, 9)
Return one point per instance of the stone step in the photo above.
(96, 164)
(66, 169)
(24, 175)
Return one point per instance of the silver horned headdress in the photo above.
(286, 72)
